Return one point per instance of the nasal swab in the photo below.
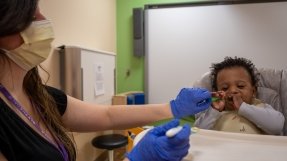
(214, 99)
(173, 131)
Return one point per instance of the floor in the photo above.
(119, 154)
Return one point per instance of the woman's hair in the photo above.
(15, 16)
(37, 92)
(230, 62)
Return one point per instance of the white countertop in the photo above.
(209, 145)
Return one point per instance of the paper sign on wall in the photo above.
(99, 79)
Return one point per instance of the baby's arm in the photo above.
(207, 119)
(266, 118)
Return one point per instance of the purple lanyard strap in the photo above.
(59, 145)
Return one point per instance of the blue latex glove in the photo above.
(190, 101)
(156, 146)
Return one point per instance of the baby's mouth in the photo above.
(229, 103)
(230, 99)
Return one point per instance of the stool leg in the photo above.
(111, 155)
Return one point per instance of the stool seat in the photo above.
(110, 141)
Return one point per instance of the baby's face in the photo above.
(236, 82)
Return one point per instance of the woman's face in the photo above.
(14, 41)
(236, 81)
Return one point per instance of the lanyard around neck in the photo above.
(60, 146)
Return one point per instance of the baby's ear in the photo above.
(254, 92)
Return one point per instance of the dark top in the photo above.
(19, 142)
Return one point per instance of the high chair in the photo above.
(272, 89)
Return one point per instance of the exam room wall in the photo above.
(130, 69)
(89, 24)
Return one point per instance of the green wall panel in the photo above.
(130, 69)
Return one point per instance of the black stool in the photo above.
(110, 142)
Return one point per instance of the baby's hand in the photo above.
(219, 104)
(226, 102)
(237, 101)
(233, 102)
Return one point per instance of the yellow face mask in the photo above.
(36, 47)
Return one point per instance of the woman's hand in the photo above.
(190, 101)
(156, 146)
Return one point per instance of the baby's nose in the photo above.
(232, 91)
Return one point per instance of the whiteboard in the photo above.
(181, 43)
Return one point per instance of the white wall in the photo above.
(90, 23)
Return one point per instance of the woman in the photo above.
(34, 118)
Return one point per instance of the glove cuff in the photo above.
(174, 109)
(128, 155)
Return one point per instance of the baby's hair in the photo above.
(230, 62)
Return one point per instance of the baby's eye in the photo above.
(224, 89)
(240, 86)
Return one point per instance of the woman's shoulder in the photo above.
(59, 97)
(54, 91)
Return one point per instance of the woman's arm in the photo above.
(266, 118)
(2, 157)
(83, 117)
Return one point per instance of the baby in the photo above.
(234, 82)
